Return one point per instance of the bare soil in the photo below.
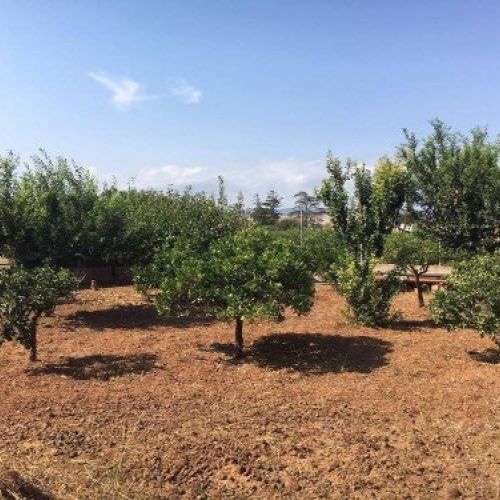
(127, 405)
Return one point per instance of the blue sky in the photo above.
(258, 91)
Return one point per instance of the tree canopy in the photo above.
(412, 252)
(27, 294)
(244, 276)
(471, 297)
(454, 184)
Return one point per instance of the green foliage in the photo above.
(368, 299)
(354, 218)
(252, 274)
(53, 203)
(455, 181)
(471, 297)
(361, 216)
(390, 185)
(246, 275)
(9, 226)
(325, 251)
(172, 281)
(54, 213)
(322, 247)
(183, 240)
(249, 274)
(411, 251)
(288, 225)
(26, 294)
(334, 194)
(357, 222)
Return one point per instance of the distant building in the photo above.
(319, 214)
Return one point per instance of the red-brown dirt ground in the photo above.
(127, 405)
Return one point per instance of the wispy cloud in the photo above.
(174, 175)
(125, 91)
(186, 92)
(288, 176)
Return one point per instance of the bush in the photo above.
(27, 294)
(471, 298)
(368, 299)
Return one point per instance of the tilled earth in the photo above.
(127, 405)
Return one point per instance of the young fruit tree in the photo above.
(368, 299)
(27, 294)
(413, 253)
(355, 225)
(471, 297)
(248, 275)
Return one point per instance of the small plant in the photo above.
(27, 294)
(368, 299)
(413, 253)
(471, 298)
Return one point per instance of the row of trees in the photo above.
(250, 274)
(195, 254)
(53, 212)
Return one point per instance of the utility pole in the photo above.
(301, 226)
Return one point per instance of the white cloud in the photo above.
(174, 175)
(186, 92)
(287, 177)
(125, 91)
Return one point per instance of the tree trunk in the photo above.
(420, 295)
(238, 338)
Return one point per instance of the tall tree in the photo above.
(222, 198)
(266, 212)
(240, 203)
(333, 192)
(306, 208)
(361, 215)
(390, 182)
(455, 181)
(355, 221)
(54, 201)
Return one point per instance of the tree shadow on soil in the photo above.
(99, 366)
(13, 486)
(129, 317)
(315, 353)
(491, 356)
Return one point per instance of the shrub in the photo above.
(471, 297)
(368, 299)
